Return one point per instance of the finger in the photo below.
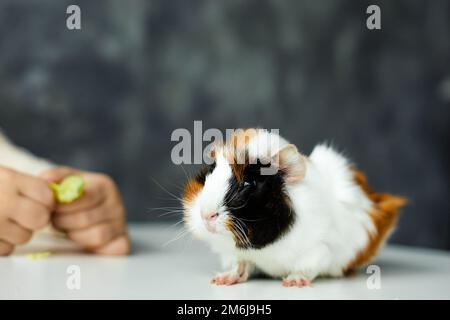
(119, 246)
(83, 219)
(5, 248)
(35, 188)
(7, 178)
(8, 201)
(29, 214)
(12, 233)
(91, 196)
(94, 194)
(58, 173)
(98, 235)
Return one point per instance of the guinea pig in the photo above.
(309, 216)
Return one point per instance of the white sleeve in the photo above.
(20, 159)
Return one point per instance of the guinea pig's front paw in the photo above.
(238, 274)
(296, 280)
(229, 278)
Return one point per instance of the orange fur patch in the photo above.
(229, 225)
(384, 216)
(238, 170)
(193, 187)
(238, 237)
(241, 138)
(236, 151)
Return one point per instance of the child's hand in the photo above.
(96, 221)
(26, 203)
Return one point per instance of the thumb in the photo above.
(57, 174)
(117, 247)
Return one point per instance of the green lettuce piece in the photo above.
(69, 189)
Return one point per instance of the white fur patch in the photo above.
(210, 199)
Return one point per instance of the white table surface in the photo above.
(182, 270)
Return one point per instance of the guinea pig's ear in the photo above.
(291, 162)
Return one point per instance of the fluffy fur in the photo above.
(316, 216)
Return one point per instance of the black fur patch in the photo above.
(204, 171)
(259, 207)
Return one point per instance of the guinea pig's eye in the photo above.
(249, 183)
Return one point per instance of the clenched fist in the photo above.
(96, 221)
(26, 204)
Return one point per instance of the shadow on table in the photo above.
(400, 267)
(139, 247)
(59, 245)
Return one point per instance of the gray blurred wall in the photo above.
(107, 97)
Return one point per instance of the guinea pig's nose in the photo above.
(210, 216)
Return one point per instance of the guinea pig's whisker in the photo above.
(233, 197)
(168, 199)
(167, 191)
(238, 234)
(233, 227)
(240, 230)
(167, 210)
(174, 225)
(253, 220)
(242, 226)
(240, 238)
(164, 208)
(177, 223)
(188, 176)
(230, 198)
(180, 235)
(246, 241)
(237, 208)
(170, 213)
(179, 187)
